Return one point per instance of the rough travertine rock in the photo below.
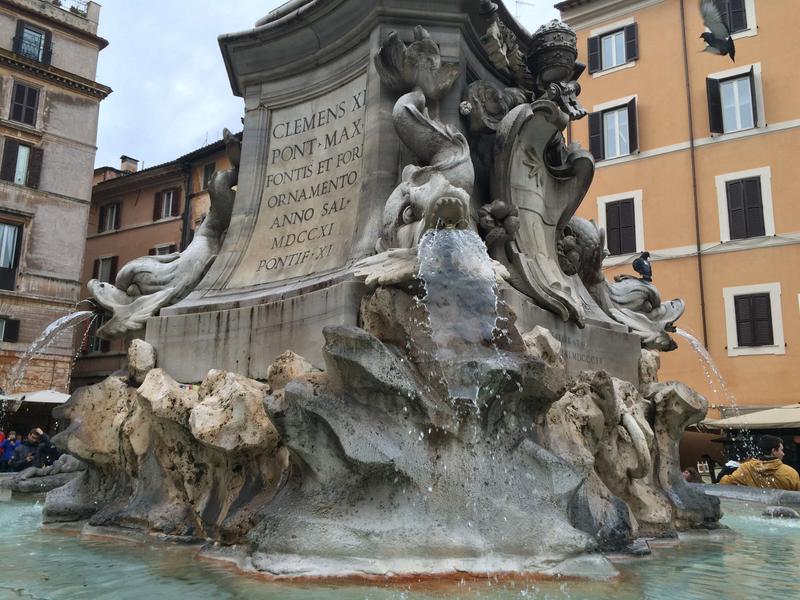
(286, 367)
(141, 359)
(676, 407)
(196, 461)
(97, 414)
(231, 414)
(649, 364)
(541, 344)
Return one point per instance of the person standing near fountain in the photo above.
(768, 471)
(7, 448)
(36, 450)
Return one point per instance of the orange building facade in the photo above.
(697, 162)
(135, 213)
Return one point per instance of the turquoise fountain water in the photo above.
(760, 562)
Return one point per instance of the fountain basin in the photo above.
(60, 562)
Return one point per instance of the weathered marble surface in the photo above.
(194, 461)
(379, 464)
(38, 480)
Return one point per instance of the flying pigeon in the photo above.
(718, 36)
(642, 266)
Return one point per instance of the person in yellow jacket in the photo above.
(768, 471)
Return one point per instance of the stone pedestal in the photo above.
(320, 156)
(601, 344)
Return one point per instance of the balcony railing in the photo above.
(40, 51)
(74, 6)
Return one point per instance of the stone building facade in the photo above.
(136, 213)
(696, 159)
(49, 102)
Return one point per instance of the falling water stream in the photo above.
(718, 385)
(710, 367)
(460, 300)
(40, 344)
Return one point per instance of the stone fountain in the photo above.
(390, 349)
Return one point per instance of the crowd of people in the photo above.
(34, 450)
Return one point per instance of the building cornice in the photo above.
(58, 23)
(581, 14)
(135, 181)
(54, 74)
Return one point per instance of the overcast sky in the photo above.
(171, 91)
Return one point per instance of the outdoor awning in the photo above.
(783, 417)
(37, 397)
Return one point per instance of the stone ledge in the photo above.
(747, 494)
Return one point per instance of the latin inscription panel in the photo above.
(307, 214)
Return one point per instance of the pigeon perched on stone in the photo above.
(642, 266)
(718, 36)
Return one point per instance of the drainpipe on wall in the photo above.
(693, 159)
(186, 225)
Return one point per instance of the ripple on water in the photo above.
(55, 565)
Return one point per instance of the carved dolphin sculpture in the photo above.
(438, 191)
(628, 300)
(149, 283)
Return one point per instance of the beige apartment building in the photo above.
(135, 213)
(697, 162)
(49, 104)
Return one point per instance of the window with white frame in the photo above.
(612, 50)
(735, 101)
(613, 46)
(616, 140)
(613, 130)
(744, 201)
(754, 324)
